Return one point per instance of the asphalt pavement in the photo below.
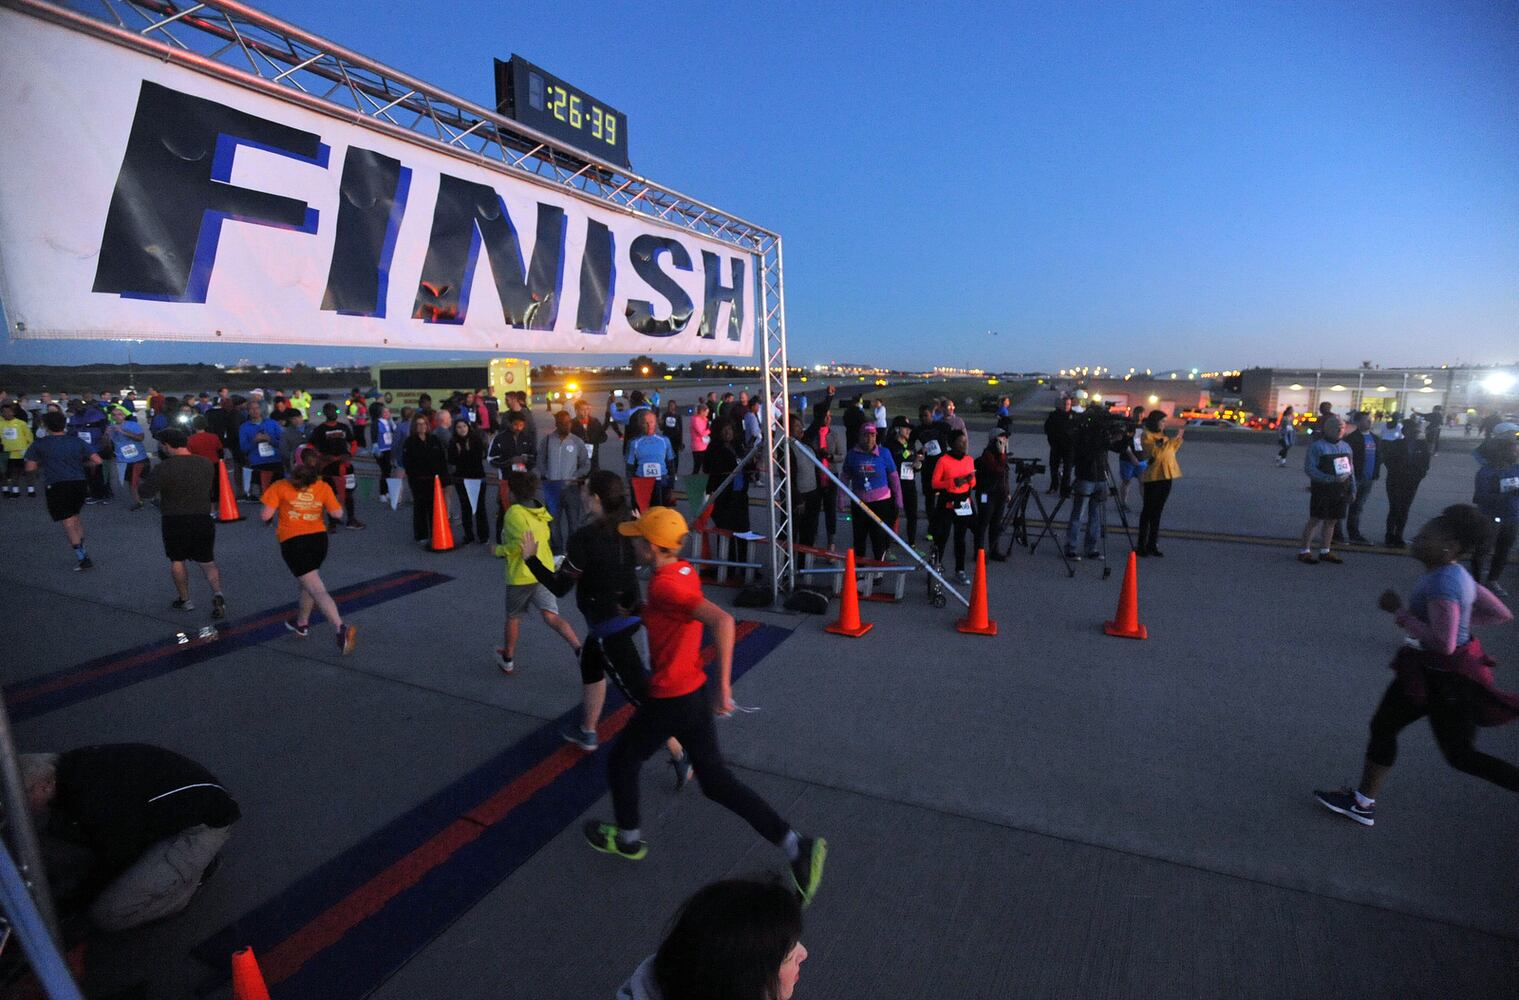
(1048, 813)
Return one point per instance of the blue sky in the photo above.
(1158, 185)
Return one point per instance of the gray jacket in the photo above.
(804, 474)
(561, 459)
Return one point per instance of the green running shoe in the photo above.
(603, 837)
(807, 869)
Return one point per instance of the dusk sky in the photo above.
(1157, 185)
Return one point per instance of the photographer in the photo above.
(1093, 435)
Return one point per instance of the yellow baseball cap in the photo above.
(662, 526)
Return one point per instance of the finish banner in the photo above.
(145, 200)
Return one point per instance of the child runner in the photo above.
(298, 502)
(523, 591)
(1443, 672)
(599, 563)
(65, 461)
(16, 436)
(674, 615)
(1331, 486)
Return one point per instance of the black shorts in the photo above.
(1328, 501)
(616, 657)
(66, 499)
(189, 537)
(304, 553)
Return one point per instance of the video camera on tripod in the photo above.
(1025, 469)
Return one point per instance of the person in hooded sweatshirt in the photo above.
(523, 591)
(739, 939)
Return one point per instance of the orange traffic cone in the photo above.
(226, 501)
(1126, 624)
(849, 606)
(978, 621)
(442, 531)
(247, 980)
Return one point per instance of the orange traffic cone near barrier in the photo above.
(226, 500)
(978, 621)
(247, 980)
(849, 606)
(1126, 619)
(442, 531)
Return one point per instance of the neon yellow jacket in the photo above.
(520, 519)
(16, 435)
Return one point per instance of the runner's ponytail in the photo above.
(1468, 527)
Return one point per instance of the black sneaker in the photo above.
(355, 525)
(807, 869)
(683, 771)
(179, 605)
(83, 565)
(1072, 555)
(603, 837)
(301, 630)
(1345, 803)
(1093, 555)
(218, 606)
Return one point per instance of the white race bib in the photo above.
(652, 470)
(931, 448)
(907, 473)
(350, 481)
(669, 421)
(130, 451)
(87, 437)
(11, 434)
(265, 450)
(1342, 465)
(962, 509)
(1509, 485)
(385, 439)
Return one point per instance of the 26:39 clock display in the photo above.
(539, 99)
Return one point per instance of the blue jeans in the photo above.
(1086, 498)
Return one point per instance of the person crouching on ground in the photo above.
(523, 591)
(1331, 487)
(138, 829)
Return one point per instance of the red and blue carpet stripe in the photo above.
(339, 932)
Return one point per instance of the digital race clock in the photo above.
(542, 101)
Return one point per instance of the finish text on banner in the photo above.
(148, 200)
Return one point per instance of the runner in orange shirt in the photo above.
(298, 503)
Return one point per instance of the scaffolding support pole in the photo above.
(884, 526)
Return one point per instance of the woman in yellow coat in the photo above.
(1160, 453)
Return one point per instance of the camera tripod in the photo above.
(1017, 515)
(1015, 518)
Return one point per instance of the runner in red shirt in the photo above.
(674, 615)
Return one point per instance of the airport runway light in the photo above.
(1498, 383)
